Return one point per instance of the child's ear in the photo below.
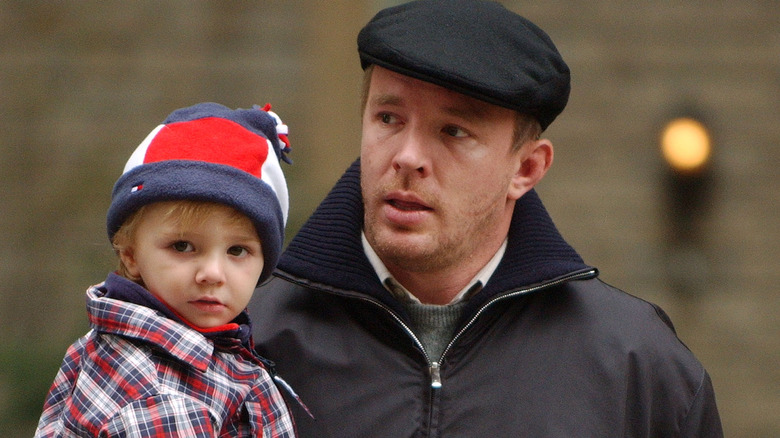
(128, 259)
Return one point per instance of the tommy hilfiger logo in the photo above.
(137, 188)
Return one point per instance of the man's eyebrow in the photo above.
(467, 111)
(387, 99)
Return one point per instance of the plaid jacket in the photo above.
(138, 373)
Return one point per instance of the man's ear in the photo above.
(535, 158)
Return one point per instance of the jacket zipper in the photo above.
(400, 322)
(571, 277)
(434, 367)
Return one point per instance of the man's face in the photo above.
(436, 171)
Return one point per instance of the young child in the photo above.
(197, 220)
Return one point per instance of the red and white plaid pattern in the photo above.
(137, 373)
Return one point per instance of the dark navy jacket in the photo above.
(545, 349)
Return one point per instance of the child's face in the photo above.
(206, 271)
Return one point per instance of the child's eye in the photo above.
(182, 246)
(237, 251)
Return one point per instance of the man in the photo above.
(430, 294)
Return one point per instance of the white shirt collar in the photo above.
(402, 293)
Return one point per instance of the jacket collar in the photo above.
(121, 307)
(130, 320)
(327, 252)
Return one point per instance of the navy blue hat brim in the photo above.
(476, 48)
(199, 181)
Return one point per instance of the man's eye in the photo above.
(181, 246)
(237, 251)
(386, 118)
(454, 131)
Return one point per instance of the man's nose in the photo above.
(412, 155)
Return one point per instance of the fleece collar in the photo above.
(327, 252)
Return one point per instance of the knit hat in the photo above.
(208, 152)
(475, 47)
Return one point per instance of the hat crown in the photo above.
(213, 133)
(475, 47)
(209, 139)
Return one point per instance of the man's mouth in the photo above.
(406, 201)
(407, 205)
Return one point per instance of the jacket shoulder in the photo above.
(613, 314)
(664, 374)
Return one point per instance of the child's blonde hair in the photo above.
(185, 213)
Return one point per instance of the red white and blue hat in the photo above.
(208, 152)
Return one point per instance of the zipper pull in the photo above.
(435, 375)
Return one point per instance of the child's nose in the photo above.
(211, 271)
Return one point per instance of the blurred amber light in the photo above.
(685, 144)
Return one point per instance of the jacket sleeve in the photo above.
(51, 421)
(703, 419)
(161, 416)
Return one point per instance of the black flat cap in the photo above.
(474, 47)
